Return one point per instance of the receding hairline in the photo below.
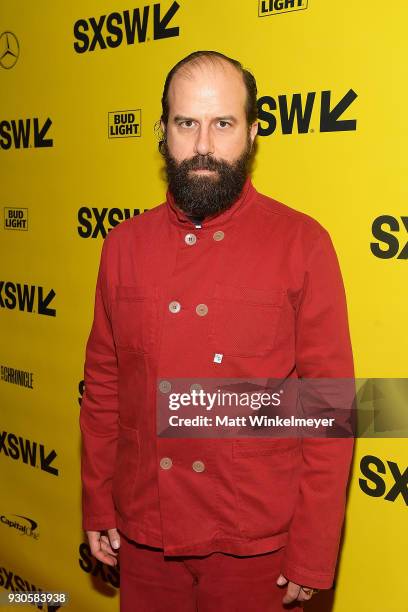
(202, 62)
(185, 68)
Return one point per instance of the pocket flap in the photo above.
(134, 292)
(249, 294)
(261, 446)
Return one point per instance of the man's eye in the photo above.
(187, 123)
(223, 123)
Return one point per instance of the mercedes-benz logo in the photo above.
(9, 49)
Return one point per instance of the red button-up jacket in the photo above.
(254, 495)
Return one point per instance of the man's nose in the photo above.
(204, 142)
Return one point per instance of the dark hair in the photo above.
(251, 108)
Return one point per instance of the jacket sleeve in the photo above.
(99, 411)
(323, 350)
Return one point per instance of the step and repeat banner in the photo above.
(81, 84)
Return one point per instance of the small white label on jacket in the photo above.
(218, 357)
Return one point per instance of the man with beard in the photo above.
(217, 281)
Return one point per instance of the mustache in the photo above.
(202, 162)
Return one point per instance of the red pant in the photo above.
(151, 582)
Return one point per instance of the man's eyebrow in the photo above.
(182, 118)
(220, 118)
(226, 118)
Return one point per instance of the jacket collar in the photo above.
(178, 217)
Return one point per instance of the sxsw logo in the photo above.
(375, 483)
(99, 221)
(125, 124)
(25, 133)
(274, 7)
(81, 390)
(295, 113)
(387, 230)
(100, 572)
(28, 298)
(28, 451)
(16, 219)
(17, 583)
(127, 27)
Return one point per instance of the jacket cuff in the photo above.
(99, 523)
(306, 577)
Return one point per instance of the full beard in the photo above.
(203, 195)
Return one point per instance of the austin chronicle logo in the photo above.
(9, 50)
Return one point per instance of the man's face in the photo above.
(208, 141)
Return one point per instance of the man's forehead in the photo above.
(206, 63)
(206, 69)
(209, 82)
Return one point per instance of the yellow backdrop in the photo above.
(81, 84)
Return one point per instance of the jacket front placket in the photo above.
(188, 469)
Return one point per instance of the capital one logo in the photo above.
(23, 524)
(126, 27)
(295, 113)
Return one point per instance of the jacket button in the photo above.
(164, 386)
(198, 466)
(195, 387)
(218, 235)
(174, 306)
(202, 309)
(166, 463)
(190, 238)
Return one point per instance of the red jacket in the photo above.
(253, 496)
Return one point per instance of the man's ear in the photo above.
(253, 131)
(162, 126)
(163, 131)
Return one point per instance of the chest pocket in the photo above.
(244, 320)
(134, 318)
